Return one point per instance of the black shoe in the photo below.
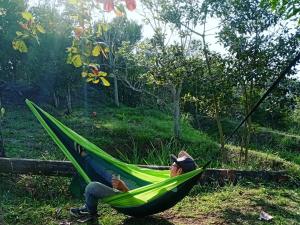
(88, 218)
(80, 212)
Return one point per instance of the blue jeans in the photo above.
(95, 191)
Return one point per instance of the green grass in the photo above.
(116, 130)
(270, 141)
(137, 135)
(239, 204)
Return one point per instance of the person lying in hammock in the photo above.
(95, 191)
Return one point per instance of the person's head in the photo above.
(182, 164)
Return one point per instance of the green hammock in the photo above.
(151, 191)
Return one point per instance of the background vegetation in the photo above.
(142, 98)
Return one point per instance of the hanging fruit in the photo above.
(108, 5)
(78, 31)
(94, 68)
(130, 4)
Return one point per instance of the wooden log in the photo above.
(36, 167)
(65, 168)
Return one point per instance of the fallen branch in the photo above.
(65, 168)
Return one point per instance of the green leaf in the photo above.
(27, 16)
(19, 33)
(40, 29)
(96, 51)
(101, 28)
(273, 4)
(76, 60)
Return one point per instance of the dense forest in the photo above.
(141, 97)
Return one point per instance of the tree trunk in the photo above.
(55, 99)
(220, 130)
(68, 97)
(247, 129)
(116, 91)
(176, 91)
(249, 120)
(112, 66)
(2, 149)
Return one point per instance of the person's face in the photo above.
(175, 170)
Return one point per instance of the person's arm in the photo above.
(120, 185)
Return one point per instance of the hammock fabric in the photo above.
(151, 191)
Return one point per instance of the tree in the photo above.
(9, 59)
(290, 9)
(170, 62)
(186, 17)
(212, 92)
(119, 30)
(257, 53)
(168, 67)
(87, 45)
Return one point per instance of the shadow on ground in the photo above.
(236, 216)
(147, 221)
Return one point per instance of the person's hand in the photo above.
(119, 185)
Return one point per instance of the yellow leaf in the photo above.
(74, 17)
(27, 16)
(69, 59)
(96, 81)
(74, 50)
(76, 60)
(20, 46)
(99, 30)
(105, 82)
(73, 2)
(93, 65)
(96, 50)
(84, 74)
(40, 29)
(23, 47)
(104, 27)
(19, 33)
(103, 53)
(89, 79)
(118, 12)
(102, 74)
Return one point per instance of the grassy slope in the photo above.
(40, 200)
(274, 142)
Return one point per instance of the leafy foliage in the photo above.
(290, 9)
(30, 29)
